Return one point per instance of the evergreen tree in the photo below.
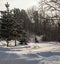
(7, 24)
(18, 27)
(12, 25)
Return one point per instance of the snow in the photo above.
(33, 53)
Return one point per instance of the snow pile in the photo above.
(33, 53)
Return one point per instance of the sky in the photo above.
(21, 4)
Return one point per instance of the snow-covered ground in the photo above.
(33, 53)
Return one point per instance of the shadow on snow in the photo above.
(48, 54)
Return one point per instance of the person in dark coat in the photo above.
(36, 40)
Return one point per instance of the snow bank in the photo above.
(33, 53)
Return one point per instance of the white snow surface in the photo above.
(33, 53)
